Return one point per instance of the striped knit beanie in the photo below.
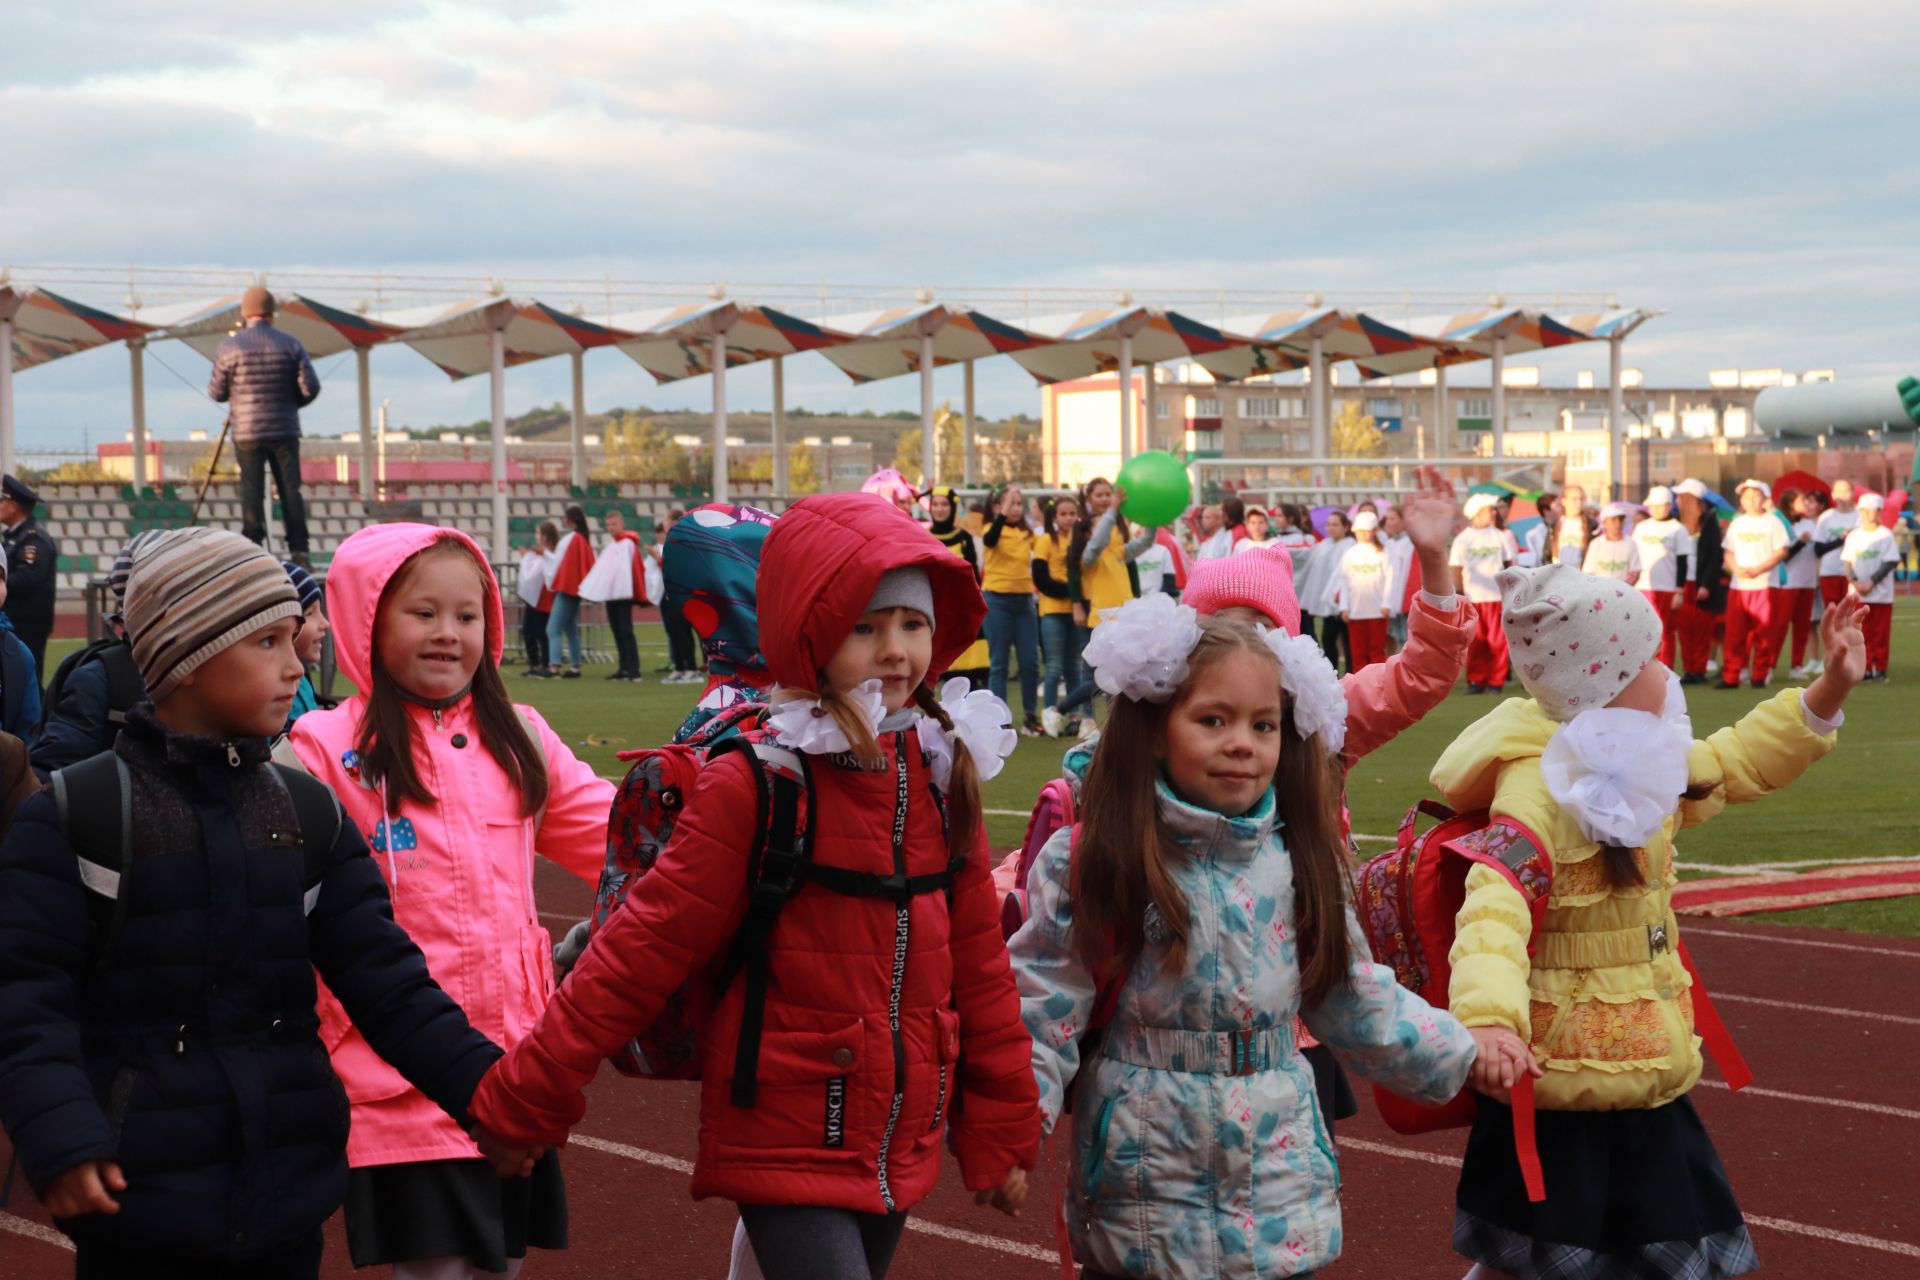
(305, 583)
(195, 592)
(135, 547)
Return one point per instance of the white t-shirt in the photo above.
(1155, 566)
(1802, 568)
(1660, 542)
(1483, 553)
(1533, 552)
(1834, 526)
(1245, 545)
(1400, 566)
(1322, 576)
(1752, 541)
(1866, 553)
(1618, 559)
(1573, 541)
(1365, 578)
(1217, 545)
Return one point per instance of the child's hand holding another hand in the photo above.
(1009, 1195)
(86, 1188)
(1502, 1059)
(508, 1160)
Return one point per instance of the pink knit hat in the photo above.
(1260, 580)
(1576, 640)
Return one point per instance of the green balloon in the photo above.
(1158, 490)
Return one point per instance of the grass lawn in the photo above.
(1850, 805)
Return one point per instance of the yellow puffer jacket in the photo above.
(1604, 1000)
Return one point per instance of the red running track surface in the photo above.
(1819, 1150)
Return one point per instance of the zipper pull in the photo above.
(436, 717)
(233, 756)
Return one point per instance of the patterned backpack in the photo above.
(1408, 899)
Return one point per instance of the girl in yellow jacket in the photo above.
(1601, 768)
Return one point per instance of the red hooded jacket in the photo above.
(852, 1098)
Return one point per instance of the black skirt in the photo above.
(454, 1208)
(1330, 1081)
(1629, 1194)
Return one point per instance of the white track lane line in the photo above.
(1696, 931)
(34, 1231)
(1900, 1018)
(640, 1156)
(1828, 1234)
(1845, 1104)
(1739, 868)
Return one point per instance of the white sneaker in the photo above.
(1713, 667)
(1818, 667)
(1053, 722)
(1088, 728)
(1802, 672)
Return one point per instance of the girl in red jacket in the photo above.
(887, 1011)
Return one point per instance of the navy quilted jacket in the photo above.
(265, 375)
(190, 1053)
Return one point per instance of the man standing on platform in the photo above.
(266, 377)
(33, 558)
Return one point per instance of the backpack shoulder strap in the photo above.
(317, 811)
(125, 688)
(94, 798)
(1515, 852)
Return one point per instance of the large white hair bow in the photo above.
(1319, 701)
(1140, 649)
(804, 725)
(982, 723)
(1620, 772)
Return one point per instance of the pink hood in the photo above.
(358, 577)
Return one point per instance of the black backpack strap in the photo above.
(317, 811)
(125, 688)
(94, 798)
(779, 865)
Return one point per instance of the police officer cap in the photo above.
(19, 492)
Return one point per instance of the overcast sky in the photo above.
(1749, 167)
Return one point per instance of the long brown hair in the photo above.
(386, 730)
(1124, 851)
(1622, 867)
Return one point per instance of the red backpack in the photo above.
(1407, 900)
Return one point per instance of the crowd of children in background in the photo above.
(262, 958)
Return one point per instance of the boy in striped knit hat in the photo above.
(164, 908)
(311, 639)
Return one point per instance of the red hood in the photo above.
(821, 562)
(359, 574)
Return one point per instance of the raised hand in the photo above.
(1843, 640)
(86, 1188)
(1431, 510)
(1503, 1058)
(1009, 1195)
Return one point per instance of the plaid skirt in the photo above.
(1631, 1195)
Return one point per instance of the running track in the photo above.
(1820, 1149)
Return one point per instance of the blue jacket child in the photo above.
(159, 1045)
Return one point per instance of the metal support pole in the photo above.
(782, 473)
(497, 380)
(929, 453)
(1442, 429)
(1126, 397)
(362, 357)
(6, 396)
(970, 447)
(137, 349)
(1317, 394)
(578, 469)
(1617, 420)
(1499, 398)
(1147, 420)
(721, 491)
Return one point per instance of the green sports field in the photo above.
(1854, 804)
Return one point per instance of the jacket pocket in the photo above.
(533, 983)
(1094, 1162)
(811, 1091)
(339, 1107)
(946, 1066)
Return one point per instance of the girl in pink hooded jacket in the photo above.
(455, 788)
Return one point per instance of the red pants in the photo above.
(1792, 607)
(1879, 631)
(1832, 589)
(1749, 623)
(1366, 642)
(1487, 655)
(1662, 602)
(1696, 635)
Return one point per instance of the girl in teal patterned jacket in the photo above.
(1208, 882)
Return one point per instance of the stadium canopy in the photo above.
(38, 326)
(901, 340)
(686, 341)
(324, 330)
(1085, 343)
(487, 336)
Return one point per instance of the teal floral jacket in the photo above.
(1198, 1145)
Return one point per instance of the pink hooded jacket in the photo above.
(461, 873)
